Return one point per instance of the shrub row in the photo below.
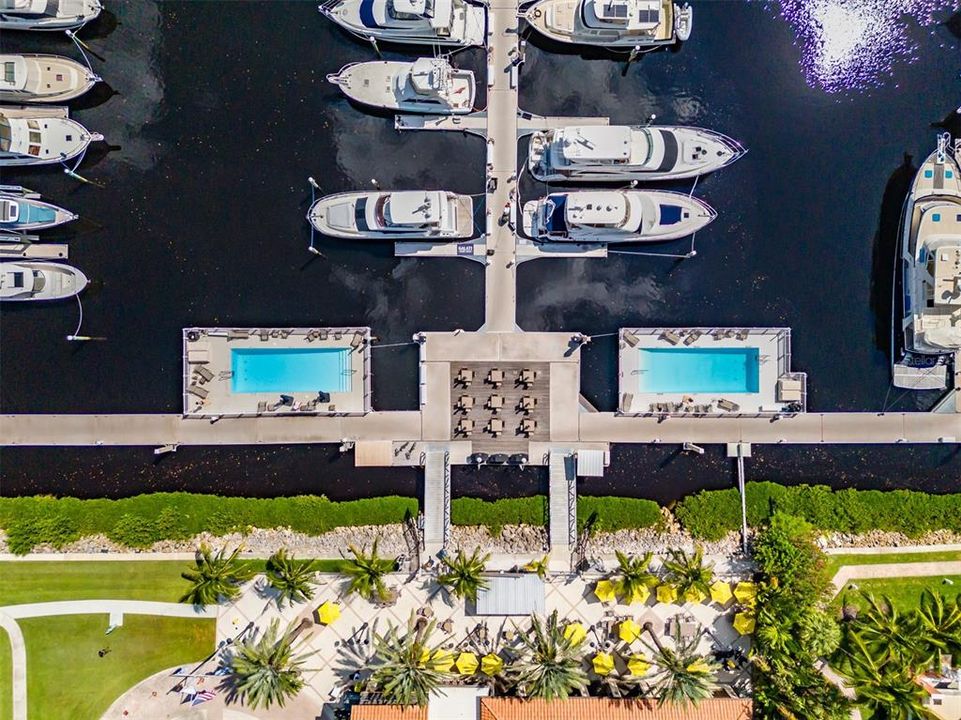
(711, 514)
(607, 513)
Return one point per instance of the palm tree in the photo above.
(465, 575)
(883, 685)
(683, 676)
(538, 566)
(366, 572)
(215, 577)
(938, 623)
(688, 572)
(632, 573)
(401, 669)
(264, 668)
(292, 579)
(887, 634)
(550, 666)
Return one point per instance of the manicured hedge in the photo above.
(611, 513)
(711, 514)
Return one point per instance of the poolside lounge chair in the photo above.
(323, 335)
(237, 335)
(264, 334)
(198, 391)
(630, 339)
(728, 405)
(495, 377)
(204, 374)
(742, 334)
(198, 354)
(338, 335)
(357, 340)
(627, 399)
(671, 337)
(788, 390)
(692, 337)
(261, 407)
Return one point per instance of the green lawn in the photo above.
(904, 592)
(6, 678)
(26, 582)
(836, 562)
(67, 679)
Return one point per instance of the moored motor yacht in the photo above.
(26, 280)
(615, 216)
(930, 261)
(47, 14)
(427, 85)
(403, 215)
(40, 136)
(612, 23)
(622, 152)
(35, 78)
(422, 22)
(23, 211)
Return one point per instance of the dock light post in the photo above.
(650, 120)
(373, 181)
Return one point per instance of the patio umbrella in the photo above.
(466, 663)
(745, 592)
(638, 665)
(666, 594)
(744, 623)
(576, 633)
(605, 591)
(492, 664)
(629, 631)
(424, 656)
(694, 595)
(721, 592)
(442, 661)
(328, 612)
(603, 663)
(639, 594)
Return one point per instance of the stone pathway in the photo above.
(894, 570)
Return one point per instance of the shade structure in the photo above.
(328, 612)
(721, 592)
(492, 664)
(605, 591)
(576, 633)
(745, 592)
(603, 663)
(744, 623)
(466, 663)
(666, 594)
(638, 665)
(694, 595)
(629, 631)
(639, 594)
(442, 660)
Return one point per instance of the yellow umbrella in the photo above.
(694, 595)
(746, 593)
(424, 656)
(603, 663)
(699, 666)
(605, 591)
(443, 661)
(491, 664)
(328, 612)
(466, 663)
(721, 592)
(666, 594)
(638, 665)
(576, 633)
(744, 623)
(640, 594)
(629, 631)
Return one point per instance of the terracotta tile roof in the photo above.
(606, 709)
(387, 712)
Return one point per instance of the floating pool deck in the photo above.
(729, 371)
(254, 372)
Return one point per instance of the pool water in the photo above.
(287, 370)
(698, 370)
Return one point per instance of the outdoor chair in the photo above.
(465, 377)
(528, 426)
(526, 377)
(495, 403)
(495, 427)
(465, 427)
(528, 403)
(495, 377)
(465, 403)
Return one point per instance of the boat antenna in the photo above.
(314, 187)
(81, 46)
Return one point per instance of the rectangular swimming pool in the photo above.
(698, 370)
(287, 370)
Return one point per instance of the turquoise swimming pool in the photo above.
(698, 370)
(288, 370)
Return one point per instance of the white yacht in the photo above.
(612, 23)
(931, 257)
(27, 280)
(22, 211)
(427, 85)
(406, 215)
(38, 78)
(47, 14)
(615, 216)
(40, 136)
(422, 22)
(622, 152)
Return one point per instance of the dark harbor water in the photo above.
(216, 113)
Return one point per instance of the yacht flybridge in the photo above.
(25, 280)
(931, 265)
(427, 85)
(406, 215)
(41, 136)
(422, 22)
(47, 14)
(37, 78)
(615, 153)
(22, 211)
(612, 23)
(615, 216)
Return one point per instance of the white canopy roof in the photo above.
(597, 208)
(593, 143)
(416, 207)
(19, 79)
